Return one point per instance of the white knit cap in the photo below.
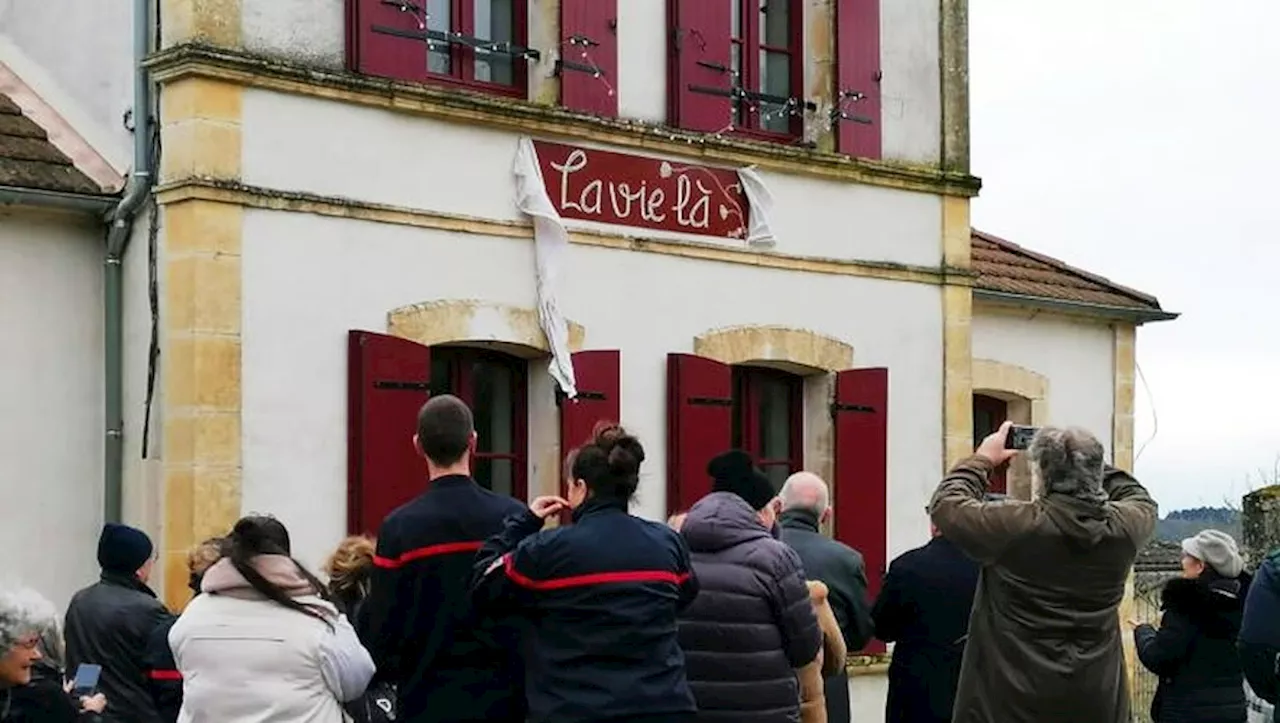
(1216, 549)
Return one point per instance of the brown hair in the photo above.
(445, 426)
(350, 565)
(610, 463)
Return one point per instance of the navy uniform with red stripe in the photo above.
(449, 665)
(601, 598)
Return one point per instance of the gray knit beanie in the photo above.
(1216, 549)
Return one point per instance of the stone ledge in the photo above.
(193, 59)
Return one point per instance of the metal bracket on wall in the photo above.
(561, 397)
(403, 386)
(860, 408)
(838, 113)
(795, 104)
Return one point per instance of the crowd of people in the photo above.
(468, 608)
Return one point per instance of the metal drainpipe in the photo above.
(119, 228)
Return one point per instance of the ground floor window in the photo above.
(495, 386)
(988, 414)
(768, 420)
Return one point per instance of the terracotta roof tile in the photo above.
(1005, 267)
(29, 160)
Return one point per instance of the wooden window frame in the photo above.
(999, 411)
(750, 47)
(459, 360)
(462, 57)
(747, 381)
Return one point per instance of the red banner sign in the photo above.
(626, 190)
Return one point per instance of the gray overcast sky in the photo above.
(1138, 139)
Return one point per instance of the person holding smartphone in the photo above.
(46, 697)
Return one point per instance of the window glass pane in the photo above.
(495, 20)
(495, 475)
(775, 79)
(777, 474)
(735, 18)
(775, 419)
(439, 17)
(441, 376)
(493, 404)
(775, 26)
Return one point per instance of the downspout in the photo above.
(119, 230)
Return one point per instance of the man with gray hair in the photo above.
(806, 506)
(1044, 637)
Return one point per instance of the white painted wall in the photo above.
(1076, 356)
(336, 149)
(312, 32)
(308, 279)
(50, 400)
(91, 88)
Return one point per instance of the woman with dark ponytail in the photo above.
(263, 642)
(599, 597)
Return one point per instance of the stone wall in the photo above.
(1260, 521)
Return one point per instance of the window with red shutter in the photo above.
(861, 420)
(388, 381)
(479, 44)
(699, 424)
(858, 102)
(588, 65)
(738, 66)
(988, 414)
(768, 420)
(494, 386)
(598, 376)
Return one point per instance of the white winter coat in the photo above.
(247, 659)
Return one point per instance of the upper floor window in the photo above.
(765, 55)
(479, 44)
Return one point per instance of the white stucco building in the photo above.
(754, 227)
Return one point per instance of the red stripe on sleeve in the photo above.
(445, 548)
(598, 578)
(164, 675)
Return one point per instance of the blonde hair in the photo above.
(201, 557)
(350, 564)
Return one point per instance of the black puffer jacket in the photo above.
(1194, 651)
(752, 623)
(110, 623)
(1260, 630)
(43, 700)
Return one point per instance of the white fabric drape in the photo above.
(760, 201)
(550, 242)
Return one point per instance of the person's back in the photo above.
(1259, 640)
(752, 625)
(1044, 638)
(923, 608)
(600, 596)
(109, 624)
(449, 665)
(806, 506)
(261, 644)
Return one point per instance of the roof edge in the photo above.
(1077, 271)
(1105, 311)
(82, 202)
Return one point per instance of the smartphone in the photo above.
(1020, 437)
(86, 680)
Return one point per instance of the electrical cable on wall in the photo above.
(1151, 402)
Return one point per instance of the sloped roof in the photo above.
(1006, 270)
(29, 160)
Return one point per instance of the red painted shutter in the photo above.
(388, 381)
(589, 48)
(858, 71)
(699, 424)
(861, 412)
(598, 375)
(699, 59)
(385, 41)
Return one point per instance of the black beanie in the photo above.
(734, 472)
(123, 549)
